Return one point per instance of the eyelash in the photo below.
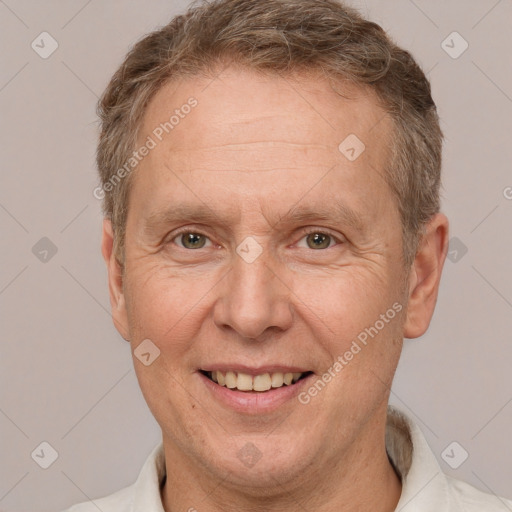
(305, 233)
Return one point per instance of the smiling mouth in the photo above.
(260, 383)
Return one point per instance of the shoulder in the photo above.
(144, 494)
(120, 501)
(425, 487)
(470, 499)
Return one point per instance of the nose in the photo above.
(254, 300)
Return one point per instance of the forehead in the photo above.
(246, 106)
(263, 135)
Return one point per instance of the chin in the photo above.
(258, 463)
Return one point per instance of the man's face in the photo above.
(294, 252)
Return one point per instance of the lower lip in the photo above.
(255, 402)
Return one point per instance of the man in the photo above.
(270, 173)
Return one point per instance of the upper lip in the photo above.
(252, 370)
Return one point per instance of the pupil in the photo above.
(192, 239)
(319, 240)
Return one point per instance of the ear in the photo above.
(115, 280)
(425, 275)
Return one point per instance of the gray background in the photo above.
(66, 375)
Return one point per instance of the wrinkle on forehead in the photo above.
(289, 104)
(263, 138)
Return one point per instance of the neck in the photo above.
(359, 478)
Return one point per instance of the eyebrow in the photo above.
(337, 212)
(181, 212)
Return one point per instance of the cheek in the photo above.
(161, 305)
(344, 303)
(163, 391)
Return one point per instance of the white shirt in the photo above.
(425, 488)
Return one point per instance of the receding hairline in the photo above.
(271, 35)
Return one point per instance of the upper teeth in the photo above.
(245, 382)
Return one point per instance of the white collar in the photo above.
(425, 488)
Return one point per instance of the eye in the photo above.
(316, 239)
(190, 240)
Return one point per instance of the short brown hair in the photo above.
(280, 36)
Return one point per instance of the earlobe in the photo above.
(115, 280)
(425, 276)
